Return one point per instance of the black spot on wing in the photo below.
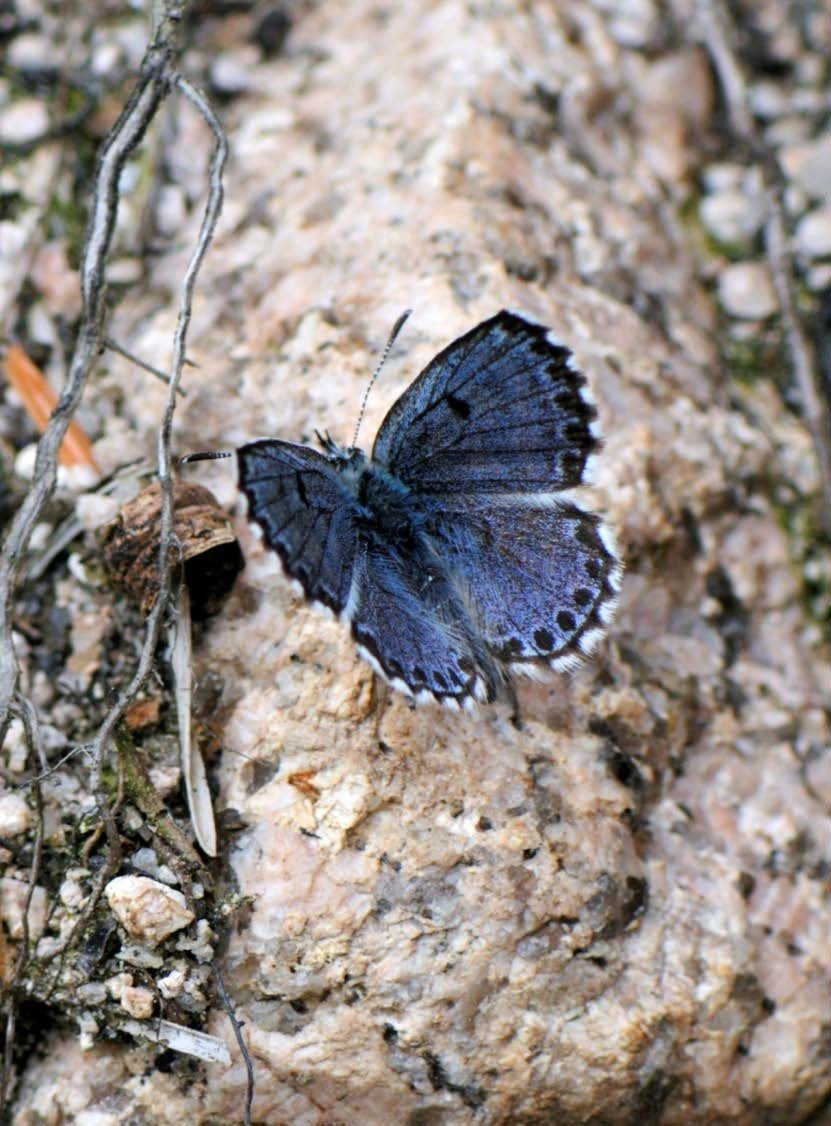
(566, 622)
(543, 640)
(460, 407)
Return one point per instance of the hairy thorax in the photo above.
(389, 510)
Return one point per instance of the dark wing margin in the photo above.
(306, 515)
(503, 409)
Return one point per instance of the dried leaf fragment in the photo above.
(39, 401)
(142, 714)
(210, 552)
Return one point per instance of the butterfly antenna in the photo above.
(206, 455)
(396, 328)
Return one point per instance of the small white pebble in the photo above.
(125, 271)
(745, 290)
(76, 478)
(105, 59)
(88, 1031)
(13, 895)
(733, 215)
(233, 74)
(171, 984)
(137, 1001)
(32, 54)
(15, 817)
(171, 210)
(15, 749)
(721, 177)
(91, 993)
(145, 860)
(24, 463)
(818, 278)
(148, 910)
(23, 121)
(118, 983)
(813, 233)
(808, 163)
(72, 894)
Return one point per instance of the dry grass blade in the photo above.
(180, 1038)
(193, 768)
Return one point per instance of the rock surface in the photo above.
(619, 912)
(148, 910)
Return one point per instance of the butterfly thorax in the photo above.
(388, 509)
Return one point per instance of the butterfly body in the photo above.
(456, 551)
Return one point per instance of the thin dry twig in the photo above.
(122, 139)
(717, 32)
(113, 346)
(197, 790)
(243, 1047)
(167, 539)
(155, 82)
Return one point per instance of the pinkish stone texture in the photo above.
(620, 912)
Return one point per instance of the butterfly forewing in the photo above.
(502, 409)
(306, 513)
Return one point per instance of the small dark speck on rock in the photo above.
(271, 31)
(746, 884)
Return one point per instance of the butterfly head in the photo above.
(344, 457)
(332, 449)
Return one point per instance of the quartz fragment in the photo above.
(148, 910)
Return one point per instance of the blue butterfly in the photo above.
(455, 551)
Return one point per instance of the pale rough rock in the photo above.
(148, 910)
(618, 913)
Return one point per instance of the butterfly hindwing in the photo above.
(500, 410)
(306, 513)
(409, 622)
(541, 578)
